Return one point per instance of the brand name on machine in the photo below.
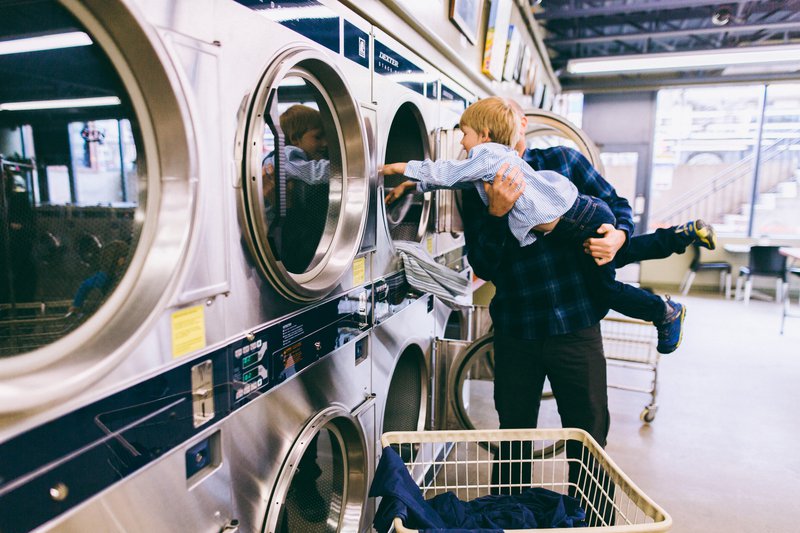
(389, 59)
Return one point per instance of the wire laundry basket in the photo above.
(462, 462)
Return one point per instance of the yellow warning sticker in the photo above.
(430, 245)
(359, 270)
(188, 330)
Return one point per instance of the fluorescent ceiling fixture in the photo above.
(45, 42)
(716, 58)
(60, 104)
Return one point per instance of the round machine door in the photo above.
(407, 218)
(471, 387)
(405, 404)
(322, 485)
(546, 129)
(96, 197)
(304, 175)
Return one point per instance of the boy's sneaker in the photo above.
(670, 330)
(699, 232)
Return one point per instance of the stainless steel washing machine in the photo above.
(402, 344)
(266, 433)
(300, 456)
(464, 346)
(104, 276)
(302, 205)
(405, 89)
(448, 228)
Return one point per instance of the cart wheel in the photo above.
(647, 415)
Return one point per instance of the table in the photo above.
(794, 258)
(737, 248)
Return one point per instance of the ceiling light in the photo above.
(60, 104)
(685, 60)
(721, 16)
(45, 42)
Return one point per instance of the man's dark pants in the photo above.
(576, 368)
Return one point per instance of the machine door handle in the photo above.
(363, 406)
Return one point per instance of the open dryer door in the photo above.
(546, 129)
(322, 485)
(98, 192)
(407, 218)
(304, 175)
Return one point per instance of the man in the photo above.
(546, 323)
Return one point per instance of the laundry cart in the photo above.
(631, 344)
(567, 463)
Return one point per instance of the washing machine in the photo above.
(448, 238)
(464, 345)
(268, 432)
(302, 226)
(406, 91)
(403, 366)
(301, 456)
(114, 255)
(204, 269)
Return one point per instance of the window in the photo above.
(728, 156)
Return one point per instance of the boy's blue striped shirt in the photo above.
(547, 194)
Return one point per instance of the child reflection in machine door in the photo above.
(93, 290)
(306, 174)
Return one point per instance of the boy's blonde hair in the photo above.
(299, 119)
(494, 115)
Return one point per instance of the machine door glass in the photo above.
(404, 409)
(72, 200)
(407, 218)
(306, 187)
(546, 129)
(323, 484)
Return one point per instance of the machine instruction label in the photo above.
(291, 331)
(188, 330)
(359, 270)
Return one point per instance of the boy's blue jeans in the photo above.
(579, 223)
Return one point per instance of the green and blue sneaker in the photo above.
(699, 232)
(670, 330)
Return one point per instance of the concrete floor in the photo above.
(723, 454)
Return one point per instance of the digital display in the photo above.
(249, 359)
(250, 374)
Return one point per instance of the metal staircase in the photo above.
(724, 200)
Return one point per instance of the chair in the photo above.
(765, 261)
(795, 271)
(696, 266)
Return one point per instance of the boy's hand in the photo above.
(398, 192)
(506, 188)
(392, 168)
(604, 249)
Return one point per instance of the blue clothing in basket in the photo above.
(401, 497)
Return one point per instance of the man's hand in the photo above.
(504, 190)
(604, 249)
